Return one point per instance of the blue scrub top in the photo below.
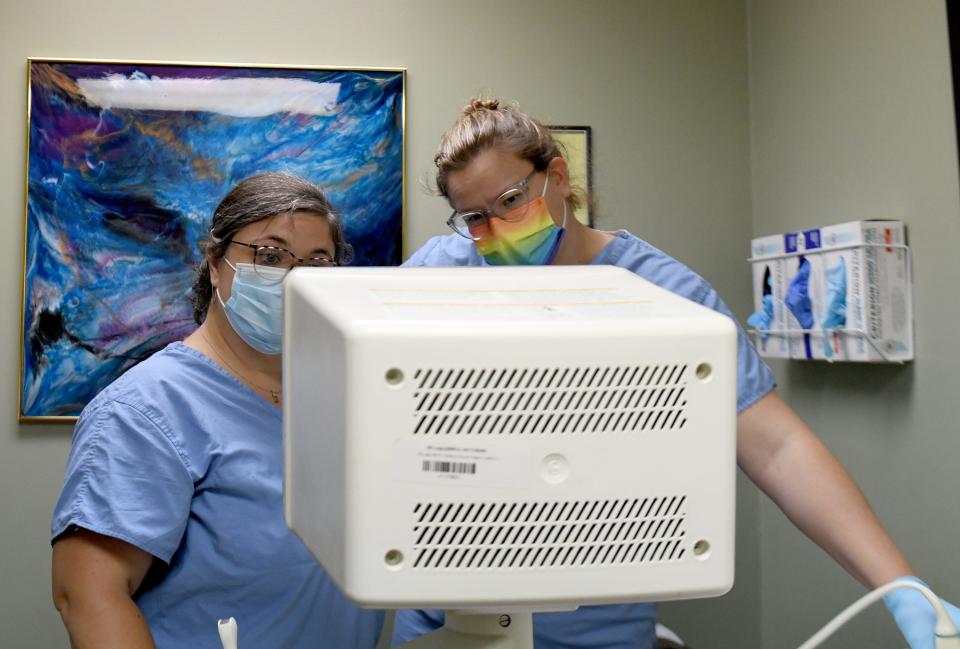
(182, 460)
(621, 626)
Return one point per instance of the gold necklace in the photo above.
(274, 394)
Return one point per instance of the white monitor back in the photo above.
(470, 438)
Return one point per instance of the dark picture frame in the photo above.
(953, 33)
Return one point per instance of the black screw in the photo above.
(504, 621)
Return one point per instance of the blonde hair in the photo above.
(487, 124)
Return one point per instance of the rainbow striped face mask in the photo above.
(530, 240)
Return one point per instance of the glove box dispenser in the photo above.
(836, 293)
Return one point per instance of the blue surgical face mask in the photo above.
(255, 307)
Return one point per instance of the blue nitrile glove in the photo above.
(835, 307)
(915, 616)
(762, 319)
(798, 296)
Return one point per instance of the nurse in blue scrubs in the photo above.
(508, 185)
(171, 512)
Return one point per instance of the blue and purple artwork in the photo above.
(126, 165)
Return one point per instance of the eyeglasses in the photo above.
(271, 258)
(473, 224)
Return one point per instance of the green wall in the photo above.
(852, 118)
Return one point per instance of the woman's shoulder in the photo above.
(176, 400)
(446, 250)
(652, 264)
(166, 363)
(155, 385)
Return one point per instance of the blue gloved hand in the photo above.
(761, 320)
(835, 306)
(915, 616)
(798, 297)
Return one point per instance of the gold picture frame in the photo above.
(577, 146)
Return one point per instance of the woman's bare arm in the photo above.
(783, 457)
(94, 579)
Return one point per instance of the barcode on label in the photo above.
(449, 467)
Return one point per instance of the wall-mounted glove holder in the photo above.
(835, 336)
(839, 293)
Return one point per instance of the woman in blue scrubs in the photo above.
(508, 184)
(171, 512)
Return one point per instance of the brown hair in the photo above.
(485, 124)
(254, 199)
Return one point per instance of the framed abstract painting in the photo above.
(126, 162)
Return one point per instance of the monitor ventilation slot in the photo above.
(529, 535)
(550, 400)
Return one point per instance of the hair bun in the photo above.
(479, 103)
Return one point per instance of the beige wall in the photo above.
(664, 85)
(851, 118)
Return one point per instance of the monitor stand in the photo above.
(466, 630)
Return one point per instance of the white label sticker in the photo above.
(476, 464)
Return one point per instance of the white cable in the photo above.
(947, 636)
(228, 633)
